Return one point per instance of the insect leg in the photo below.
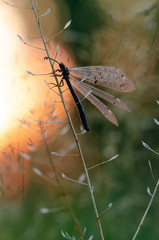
(58, 75)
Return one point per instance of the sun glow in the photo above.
(23, 98)
(18, 92)
(5, 95)
(7, 51)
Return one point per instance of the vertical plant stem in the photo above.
(76, 223)
(146, 211)
(61, 189)
(89, 186)
(74, 133)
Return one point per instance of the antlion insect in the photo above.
(110, 77)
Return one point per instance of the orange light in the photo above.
(8, 50)
(22, 96)
(5, 72)
(18, 92)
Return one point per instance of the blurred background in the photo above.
(114, 33)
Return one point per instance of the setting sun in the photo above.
(18, 92)
(6, 72)
(8, 49)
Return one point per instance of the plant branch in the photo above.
(43, 133)
(74, 133)
(61, 189)
(146, 211)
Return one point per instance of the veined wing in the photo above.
(97, 103)
(110, 77)
(102, 94)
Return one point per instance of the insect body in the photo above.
(106, 76)
(65, 75)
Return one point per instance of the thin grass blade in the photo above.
(110, 77)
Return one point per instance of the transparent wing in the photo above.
(104, 95)
(110, 77)
(96, 102)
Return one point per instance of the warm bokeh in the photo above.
(113, 33)
(23, 98)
